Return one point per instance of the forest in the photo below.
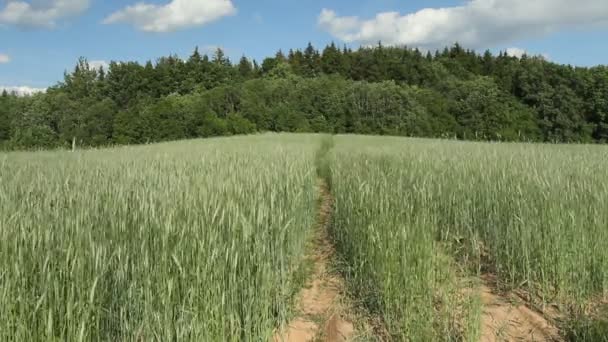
(453, 93)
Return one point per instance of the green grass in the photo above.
(204, 240)
(181, 241)
(386, 233)
(535, 215)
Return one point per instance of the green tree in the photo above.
(33, 126)
(331, 60)
(245, 68)
(220, 58)
(312, 65)
(6, 112)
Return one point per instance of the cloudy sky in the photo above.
(39, 39)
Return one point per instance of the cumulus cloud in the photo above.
(176, 15)
(516, 52)
(477, 23)
(99, 64)
(519, 53)
(4, 58)
(22, 90)
(39, 13)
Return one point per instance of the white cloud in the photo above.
(98, 64)
(477, 23)
(39, 13)
(516, 52)
(22, 90)
(176, 15)
(519, 53)
(4, 58)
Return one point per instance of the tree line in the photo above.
(452, 93)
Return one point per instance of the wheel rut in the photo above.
(320, 313)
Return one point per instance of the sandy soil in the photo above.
(320, 315)
(507, 318)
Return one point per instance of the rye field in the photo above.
(218, 240)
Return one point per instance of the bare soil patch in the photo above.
(507, 317)
(320, 316)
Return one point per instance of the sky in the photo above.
(40, 39)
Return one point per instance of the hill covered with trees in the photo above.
(454, 93)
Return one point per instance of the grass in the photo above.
(204, 240)
(180, 241)
(535, 215)
(386, 233)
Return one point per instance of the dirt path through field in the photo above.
(320, 312)
(507, 318)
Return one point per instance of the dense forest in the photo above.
(454, 93)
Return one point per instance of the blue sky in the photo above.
(39, 39)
